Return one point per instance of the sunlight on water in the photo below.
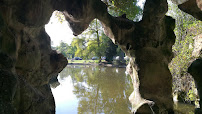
(92, 89)
(97, 90)
(66, 101)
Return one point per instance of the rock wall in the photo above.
(26, 59)
(27, 62)
(195, 69)
(193, 7)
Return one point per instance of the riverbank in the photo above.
(85, 61)
(94, 62)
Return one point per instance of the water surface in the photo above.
(92, 89)
(97, 90)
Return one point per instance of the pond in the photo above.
(92, 89)
(97, 90)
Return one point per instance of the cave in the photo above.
(30, 62)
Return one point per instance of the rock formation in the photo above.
(148, 44)
(27, 62)
(193, 7)
(26, 59)
(196, 72)
(195, 68)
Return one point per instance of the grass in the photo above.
(84, 61)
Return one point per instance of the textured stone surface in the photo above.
(179, 1)
(26, 60)
(197, 51)
(8, 84)
(193, 7)
(195, 69)
(196, 72)
(34, 100)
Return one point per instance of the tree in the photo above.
(128, 7)
(59, 15)
(110, 51)
(79, 43)
(92, 42)
(66, 50)
(95, 29)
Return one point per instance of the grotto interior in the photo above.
(30, 62)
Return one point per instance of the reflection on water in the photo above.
(95, 90)
(181, 108)
(92, 89)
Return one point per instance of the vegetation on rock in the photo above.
(187, 27)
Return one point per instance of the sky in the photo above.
(61, 32)
(58, 31)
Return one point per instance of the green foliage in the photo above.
(187, 27)
(79, 43)
(66, 50)
(59, 15)
(128, 7)
(183, 46)
(91, 42)
(191, 96)
(110, 51)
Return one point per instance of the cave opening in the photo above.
(58, 29)
(27, 62)
(87, 34)
(75, 88)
